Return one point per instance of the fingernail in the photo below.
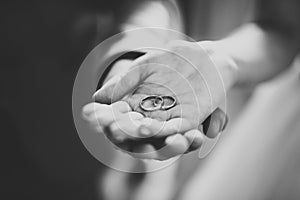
(224, 124)
(170, 139)
(119, 138)
(145, 131)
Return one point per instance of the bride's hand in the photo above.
(123, 127)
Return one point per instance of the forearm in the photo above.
(260, 50)
(259, 54)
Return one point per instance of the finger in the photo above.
(184, 111)
(215, 123)
(123, 129)
(166, 128)
(110, 83)
(175, 145)
(179, 111)
(145, 151)
(91, 108)
(195, 138)
(103, 114)
(102, 118)
(119, 88)
(121, 106)
(98, 113)
(160, 115)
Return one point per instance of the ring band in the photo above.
(166, 107)
(157, 103)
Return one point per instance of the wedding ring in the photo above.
(151, 103)
(156, 102)
(168, 102)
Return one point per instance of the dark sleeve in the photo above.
(282, 16)
(138, 15)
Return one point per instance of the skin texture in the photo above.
(176, 72)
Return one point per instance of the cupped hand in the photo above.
(123, 126)
(184, 71)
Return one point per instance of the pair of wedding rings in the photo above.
(156, 102)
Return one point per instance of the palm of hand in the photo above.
(169, 74)
(161, 73)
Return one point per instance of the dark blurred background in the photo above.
(42, 46)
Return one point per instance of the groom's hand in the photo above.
(161, 73)
(184, 71)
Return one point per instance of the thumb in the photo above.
(119, 86)
(215, 123)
